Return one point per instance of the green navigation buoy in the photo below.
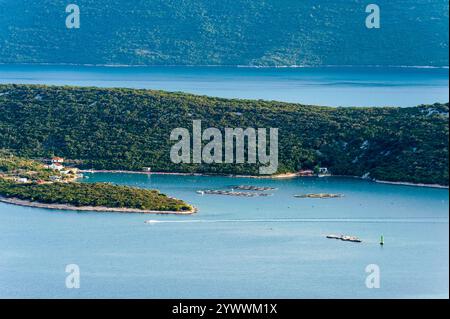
(382, 240)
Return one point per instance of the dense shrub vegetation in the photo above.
(130, 129)
(225, 32)
(23, 168)
(83, 194)
(40, 188)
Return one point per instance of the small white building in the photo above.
(21, 180)
(56, 166)
(59, 160)
(323, 170)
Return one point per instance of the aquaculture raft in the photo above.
(232, 193)
(320, 196)
(253, 188)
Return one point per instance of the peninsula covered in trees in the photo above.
(125, 129)
(30, 183)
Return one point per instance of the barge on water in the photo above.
(352, 239)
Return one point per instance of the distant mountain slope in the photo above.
(130, 129)
(225, 32)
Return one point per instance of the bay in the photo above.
(264, 247)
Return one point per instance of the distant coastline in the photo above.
(26, 203)
(231, 65)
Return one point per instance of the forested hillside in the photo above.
(130, 129)
(225, 32)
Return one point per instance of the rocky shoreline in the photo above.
(412, 184)
(26, 203)
(277, 176)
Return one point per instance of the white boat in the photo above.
(352, 239)
(152, 222)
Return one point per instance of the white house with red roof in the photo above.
(59, 160)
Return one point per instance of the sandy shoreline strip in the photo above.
(278, 176)
(25, 203)
(412, 184)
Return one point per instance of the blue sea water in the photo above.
(329, 86)
(271, 247)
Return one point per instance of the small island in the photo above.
(32, 183)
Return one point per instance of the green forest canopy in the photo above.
(225, 32)
(93, 195)
(130, 129)
(39, 188)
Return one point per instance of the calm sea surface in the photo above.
(273, 247)
(332, 86)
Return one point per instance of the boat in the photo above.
(151, 222)
(352, 239)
